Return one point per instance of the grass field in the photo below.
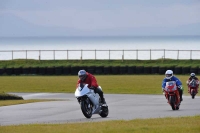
(112, 84)
(160, 125)
(119, 84)
(13, 102)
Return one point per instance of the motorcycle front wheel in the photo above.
(172, 102)
(86, 108)
(193, 94)
(104, 111)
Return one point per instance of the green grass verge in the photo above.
(113, 84)
(159, 125)
(50, 63)
(14, 102)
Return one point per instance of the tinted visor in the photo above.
(82, 77)
(168, 75)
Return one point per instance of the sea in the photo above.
(104, 47)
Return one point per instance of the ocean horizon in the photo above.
(143, 47)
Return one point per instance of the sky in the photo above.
(99, 17)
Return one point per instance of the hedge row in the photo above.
(96, 70)
(5, 96)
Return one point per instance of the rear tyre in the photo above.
(86, 108)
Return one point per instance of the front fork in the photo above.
(177, 98)
(189, 90)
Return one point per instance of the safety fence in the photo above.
(137, 54)
(98, 70)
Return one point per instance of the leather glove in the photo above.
(163, 91)
(180, 87)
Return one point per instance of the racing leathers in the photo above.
(92, 84)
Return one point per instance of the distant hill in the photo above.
(11, 25)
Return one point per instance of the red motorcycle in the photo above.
(172, 95)
(192, 87)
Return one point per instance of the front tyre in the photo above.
(86, 108)
(193, 94)
(172, 102)
(104, 111)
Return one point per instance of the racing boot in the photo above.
(103, 101)
(181, 93)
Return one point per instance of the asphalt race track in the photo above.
(67, 109)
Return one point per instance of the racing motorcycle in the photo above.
(90, 102)
(193, 85)
(172, 95)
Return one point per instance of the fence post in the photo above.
(12, 54)
(109, 54)
(39, 54)
(190, 54)
(54, 54)
(67, 54)
(177, 54)
(95, 54)
(81, 54)
(123, 55)
(164, 54)
(136, 54)
(150, 54)
(26, 54)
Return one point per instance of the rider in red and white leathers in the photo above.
(88, 78)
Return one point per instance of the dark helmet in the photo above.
(192, 75)
(82, 74)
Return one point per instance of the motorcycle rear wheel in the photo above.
(86, 108)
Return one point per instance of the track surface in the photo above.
(67, 109)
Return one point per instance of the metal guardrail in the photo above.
(134, 54)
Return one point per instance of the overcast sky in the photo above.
(99, 17)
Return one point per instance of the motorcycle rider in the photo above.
(192, 76)
(88, 78)
(170, 77)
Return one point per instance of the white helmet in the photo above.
(168, 74)
(192, 75)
